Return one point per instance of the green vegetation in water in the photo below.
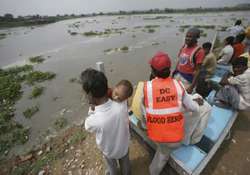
(151, 26)
(36, 59)
(151, 30)
(105, 32)
(124, 48)
(37, 91)
(108, 50)
(199, 26)
(11, 132)
(60, 123)
(157, 17)
(138, 27)
(3, 35)
(28, 113)
(38, 76)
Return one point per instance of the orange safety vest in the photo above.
(163, 102)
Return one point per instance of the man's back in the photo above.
(110, 123)
(210, 63)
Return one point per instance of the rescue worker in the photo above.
(190, 60)
(162, 105)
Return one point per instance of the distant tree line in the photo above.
(8, 20)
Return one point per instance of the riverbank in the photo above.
(74, 151)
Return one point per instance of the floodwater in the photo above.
(68, 55)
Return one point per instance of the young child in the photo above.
(109, 121)
(122, 91)
(235, 92)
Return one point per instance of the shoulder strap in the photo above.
(193, 55)
(181, 49)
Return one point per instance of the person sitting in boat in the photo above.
(236, 91)
(162, 104)
(236, 29)
(190, 59)
(238, 46)
(207, 71)
(227, 52)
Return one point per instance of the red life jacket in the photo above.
(187, 59)
(163, 102)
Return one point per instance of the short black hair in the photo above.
(94, 83)
(240, 61)
(164, 73)
(240, 37)
(128, 85)
(230, 40)
(238, 22)
(207, 45)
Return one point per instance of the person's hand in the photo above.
(190, 89)
(200, 101)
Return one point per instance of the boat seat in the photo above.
(188, 156)
(217, 122)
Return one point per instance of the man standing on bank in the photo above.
(162, 105)
(190, 59)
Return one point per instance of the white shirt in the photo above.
(110, 123)
(235, 30)
(226, 54)
(243, 84)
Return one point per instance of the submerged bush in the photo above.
(11, 132)
(36, 59)
(28, 113)
(38, 76)
(37, 91)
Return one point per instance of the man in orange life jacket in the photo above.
(163, 100)
(190, 59)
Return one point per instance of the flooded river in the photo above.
(67, 55)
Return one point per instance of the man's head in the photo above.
(122, 91)
(240, 37)
(229, 40)
(192, 36)
(207, 47)
(239, 65)
(95, 84)
(160, 65)
(238, 22)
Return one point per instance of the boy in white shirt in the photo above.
(109, 121)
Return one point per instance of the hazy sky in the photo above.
(53, 7)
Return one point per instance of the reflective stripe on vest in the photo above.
(163, 102)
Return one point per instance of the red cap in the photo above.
(160, 61)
